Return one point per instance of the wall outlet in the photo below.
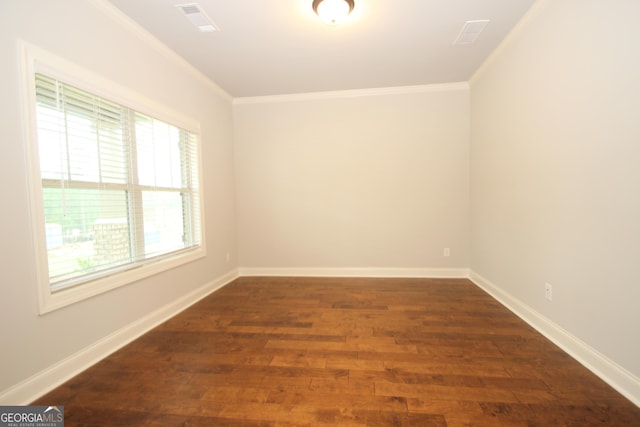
(548, 291)
(446, 252)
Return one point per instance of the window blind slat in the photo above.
(118, 187)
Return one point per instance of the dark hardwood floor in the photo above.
(352, 352)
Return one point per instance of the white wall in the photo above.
(555, 176)
(81, 32)
(376, 181)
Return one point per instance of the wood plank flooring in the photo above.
(342, 352)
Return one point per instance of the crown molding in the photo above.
(134, 28)
(524, 22)
(355, 93)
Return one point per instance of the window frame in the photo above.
(35, 60)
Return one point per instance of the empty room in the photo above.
(320, 212)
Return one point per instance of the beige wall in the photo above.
(81, 33)
(369, 181)
(555, 176)
(372, 181)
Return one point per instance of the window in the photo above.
(117, 195)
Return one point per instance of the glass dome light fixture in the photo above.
(332, 11)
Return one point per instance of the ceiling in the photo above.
(275, 47)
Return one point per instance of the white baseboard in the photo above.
(39, 384)
(613, 374)
(357, 272)
(30, 389)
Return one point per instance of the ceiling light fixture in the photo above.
(332, 11)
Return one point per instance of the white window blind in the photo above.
(119, 188)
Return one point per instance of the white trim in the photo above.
(613, 374)
(355, 93)
(531, 14)
(34, 59)
(145, 36)
(30, 389)
(53, 300)
(356, 272)
(37, 60)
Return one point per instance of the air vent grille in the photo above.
(188, 9)
(470, 31)
(197, 17)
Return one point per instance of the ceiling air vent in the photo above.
(197, 17)
(470, 31)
